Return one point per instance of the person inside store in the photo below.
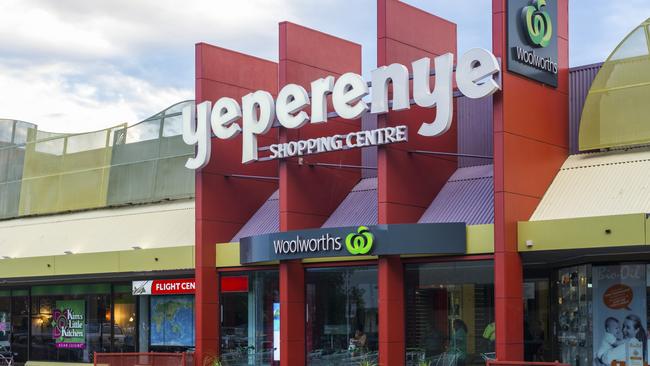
(359, 342)
(633, 332)
(434, 342)
(458, 344)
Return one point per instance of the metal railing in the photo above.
(523, 363)
(144, 359)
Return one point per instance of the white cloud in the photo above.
(44, 94)
(79, 65)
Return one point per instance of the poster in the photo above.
(619, 318)
(276, 331)
(5, 328)
(69, 324)
(172, 321)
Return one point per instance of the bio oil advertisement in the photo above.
(619, 314)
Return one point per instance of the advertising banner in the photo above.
(164, 287)
(69, 324)
(619, 314)
(5, 328)
(276, 331)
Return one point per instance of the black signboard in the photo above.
(532, 39)
(442, 238)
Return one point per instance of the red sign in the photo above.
(169, 287)
(164, 287)
(234, 284)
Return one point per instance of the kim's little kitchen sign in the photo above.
(476, 77)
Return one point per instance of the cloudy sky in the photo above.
(80, 65)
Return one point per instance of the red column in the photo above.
(224, 204)
(530, 145)
(392, 344)
(407, 183)
(308, 195)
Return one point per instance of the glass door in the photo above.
(574, 315)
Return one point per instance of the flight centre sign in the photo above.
(476, 74)
(532, 39)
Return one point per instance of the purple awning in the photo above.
(266, 220)
(466, 197)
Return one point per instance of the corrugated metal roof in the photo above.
(467, 197)
(580, 79)
(266, 220)
(474, 130)
(599, 184)
(358, 208)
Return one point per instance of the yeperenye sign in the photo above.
(69, 324)
(442, 238)
(532, 39)
(227, 118)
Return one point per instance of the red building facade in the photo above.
(530, 142)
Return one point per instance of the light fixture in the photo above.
(136, 247)
(68, 252)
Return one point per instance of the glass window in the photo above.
(248, 303)
(21, 132)
(574, 314)
(171, 323)
(86, 142)
(19, 323)
(173, 126)
(537, 346)
(178, 108)
(5, 320)
(341, 315)
(125, 324)
(449, 313)
(69, 323)
(6, 131)
(143, 131)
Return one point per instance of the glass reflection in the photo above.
(342, 315)
(450, 313)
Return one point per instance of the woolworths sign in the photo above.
(446, 238)
(532, 39)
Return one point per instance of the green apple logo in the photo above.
(359, 242)
(537, 23)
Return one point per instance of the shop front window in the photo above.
(574, 315)
(537, 343)
(341, 315)
(171, 323)
(5, 320)
(19, 324)
(450, 313)
(69, 323)
(249, 303)
(125, 323)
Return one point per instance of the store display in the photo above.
(574, 316)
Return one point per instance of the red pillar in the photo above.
(292, 313)
(392, 346)
(224, 204)
(407, 183)
(308, 195)
(530, 145)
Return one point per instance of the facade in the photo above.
(519, 232)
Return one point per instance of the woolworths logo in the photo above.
(359, 242)
(537, 23)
